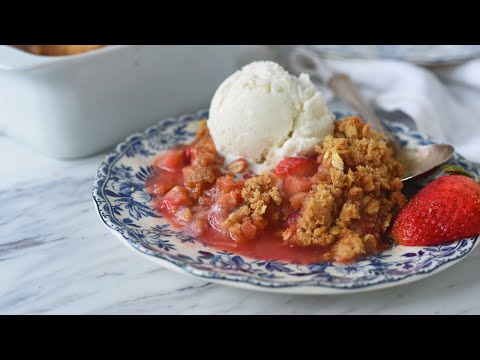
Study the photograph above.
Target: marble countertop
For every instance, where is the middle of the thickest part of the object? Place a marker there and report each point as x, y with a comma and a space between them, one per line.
56, 257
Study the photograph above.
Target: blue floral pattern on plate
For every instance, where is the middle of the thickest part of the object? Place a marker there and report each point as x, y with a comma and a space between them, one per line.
124, 207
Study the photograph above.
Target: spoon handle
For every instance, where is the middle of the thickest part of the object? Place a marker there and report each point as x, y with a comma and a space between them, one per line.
304, 60
346, 91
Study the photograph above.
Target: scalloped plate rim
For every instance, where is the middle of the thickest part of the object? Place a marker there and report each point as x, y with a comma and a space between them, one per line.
246, 281
288, 289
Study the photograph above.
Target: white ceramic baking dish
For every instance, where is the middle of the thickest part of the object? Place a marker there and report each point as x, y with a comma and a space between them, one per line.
74, 106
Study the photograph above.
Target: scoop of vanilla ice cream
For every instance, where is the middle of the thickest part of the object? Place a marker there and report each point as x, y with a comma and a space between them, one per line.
263, 114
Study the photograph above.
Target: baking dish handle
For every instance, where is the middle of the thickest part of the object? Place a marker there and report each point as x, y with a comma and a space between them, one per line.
15, 59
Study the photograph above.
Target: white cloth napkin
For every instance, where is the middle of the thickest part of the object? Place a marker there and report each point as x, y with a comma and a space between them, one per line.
443, 101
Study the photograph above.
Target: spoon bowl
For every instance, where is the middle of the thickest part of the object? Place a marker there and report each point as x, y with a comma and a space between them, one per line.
424, 162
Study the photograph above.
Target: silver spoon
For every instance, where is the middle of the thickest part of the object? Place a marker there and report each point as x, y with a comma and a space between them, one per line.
420, 163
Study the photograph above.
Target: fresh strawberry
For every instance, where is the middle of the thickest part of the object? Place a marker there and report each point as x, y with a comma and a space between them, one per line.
445, 210
296, 167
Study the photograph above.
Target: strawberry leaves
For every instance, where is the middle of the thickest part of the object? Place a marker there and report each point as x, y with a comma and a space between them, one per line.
456, 170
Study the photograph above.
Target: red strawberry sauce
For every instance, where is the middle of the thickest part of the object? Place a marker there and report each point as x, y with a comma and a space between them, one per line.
268, 246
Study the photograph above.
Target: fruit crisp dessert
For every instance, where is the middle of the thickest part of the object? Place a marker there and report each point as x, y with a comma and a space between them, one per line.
272, 176
334, 205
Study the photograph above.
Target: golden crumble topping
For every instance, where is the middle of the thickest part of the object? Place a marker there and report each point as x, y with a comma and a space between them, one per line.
354, 211
342, 201
261, 204
205, 166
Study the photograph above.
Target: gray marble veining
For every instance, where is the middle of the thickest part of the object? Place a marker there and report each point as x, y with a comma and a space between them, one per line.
56, 257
